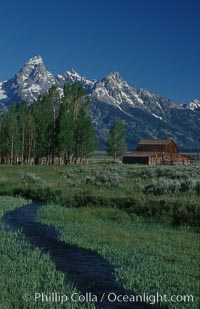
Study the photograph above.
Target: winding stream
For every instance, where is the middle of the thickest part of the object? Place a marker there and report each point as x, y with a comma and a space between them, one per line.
88, 270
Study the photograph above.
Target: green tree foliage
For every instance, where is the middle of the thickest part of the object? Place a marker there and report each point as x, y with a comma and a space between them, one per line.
41, 116
53, 126
76, 137
10, 135
116, 143
26, 127
84, 137
65, 133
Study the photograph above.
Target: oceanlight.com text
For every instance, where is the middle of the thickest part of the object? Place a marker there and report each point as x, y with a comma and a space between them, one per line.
109, 297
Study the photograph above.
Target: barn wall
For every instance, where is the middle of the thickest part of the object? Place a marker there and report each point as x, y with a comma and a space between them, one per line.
164, 152
171, 147
155, 160
135, 160
151, 148
167, 159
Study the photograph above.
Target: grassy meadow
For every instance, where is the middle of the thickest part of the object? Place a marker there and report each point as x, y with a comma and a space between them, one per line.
24, 271
143, 219
146, 256
166, 194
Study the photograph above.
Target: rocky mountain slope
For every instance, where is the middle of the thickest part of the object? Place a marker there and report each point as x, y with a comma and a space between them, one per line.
194, 105
145, 115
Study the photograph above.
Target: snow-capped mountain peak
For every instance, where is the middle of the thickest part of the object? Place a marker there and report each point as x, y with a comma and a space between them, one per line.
72, 76
37, 60
73, 73
31, 81
34, 70
193, 105
144, 113
114, 76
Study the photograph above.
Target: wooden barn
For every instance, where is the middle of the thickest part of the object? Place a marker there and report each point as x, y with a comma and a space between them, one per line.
156, 152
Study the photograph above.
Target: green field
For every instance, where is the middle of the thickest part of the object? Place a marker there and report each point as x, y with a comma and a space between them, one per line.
143, 220
166, 194
24, 271
147, 257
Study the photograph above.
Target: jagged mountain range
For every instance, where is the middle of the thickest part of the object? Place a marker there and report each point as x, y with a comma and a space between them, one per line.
145, 115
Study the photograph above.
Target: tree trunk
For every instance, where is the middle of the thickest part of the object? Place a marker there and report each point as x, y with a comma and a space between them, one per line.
12, 151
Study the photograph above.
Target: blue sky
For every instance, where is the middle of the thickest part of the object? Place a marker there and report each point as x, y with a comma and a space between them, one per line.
153, 44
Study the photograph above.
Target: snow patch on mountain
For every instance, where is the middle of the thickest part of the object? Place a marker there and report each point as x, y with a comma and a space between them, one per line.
193, 105
37, 60
113, 90
31, 81
72, 76
3, 94
157, 116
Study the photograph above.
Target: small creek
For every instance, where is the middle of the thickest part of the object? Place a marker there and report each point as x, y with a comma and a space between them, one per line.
88, 270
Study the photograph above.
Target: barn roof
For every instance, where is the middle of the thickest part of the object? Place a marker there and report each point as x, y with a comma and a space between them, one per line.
155, 141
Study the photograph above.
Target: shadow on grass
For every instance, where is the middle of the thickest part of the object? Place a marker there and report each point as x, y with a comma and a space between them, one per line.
88, 270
